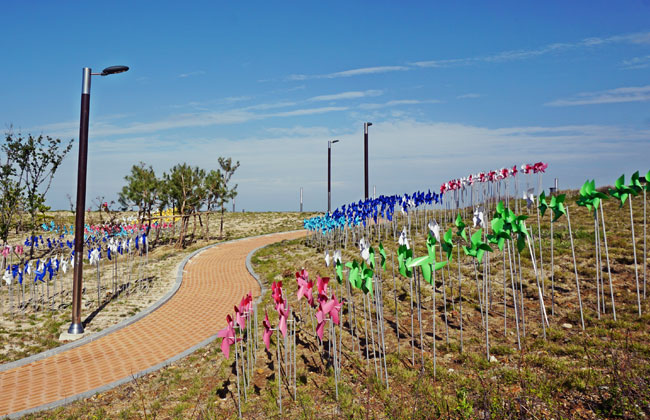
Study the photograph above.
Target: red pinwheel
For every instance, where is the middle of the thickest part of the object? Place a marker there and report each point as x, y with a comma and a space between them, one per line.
540, 167
268, 332
228, 335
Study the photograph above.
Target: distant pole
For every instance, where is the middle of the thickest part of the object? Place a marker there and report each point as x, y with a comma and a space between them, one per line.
374, 192
300, 199
233, 205
329, 175
365, 157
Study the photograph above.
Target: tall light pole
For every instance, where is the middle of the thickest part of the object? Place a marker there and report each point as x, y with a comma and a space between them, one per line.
329, 175
365, 155
76, 327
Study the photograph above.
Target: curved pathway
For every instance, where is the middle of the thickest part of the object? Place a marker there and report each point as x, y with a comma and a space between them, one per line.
213, 281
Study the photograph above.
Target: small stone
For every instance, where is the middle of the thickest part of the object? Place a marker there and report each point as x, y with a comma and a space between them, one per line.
567, 326
493, 359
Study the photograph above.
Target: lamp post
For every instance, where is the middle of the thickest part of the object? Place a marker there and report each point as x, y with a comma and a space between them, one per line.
329, 175
76, 327
365, 155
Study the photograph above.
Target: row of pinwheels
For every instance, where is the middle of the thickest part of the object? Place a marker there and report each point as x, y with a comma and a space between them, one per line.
55, 255
361, 212
127, 227
492, 176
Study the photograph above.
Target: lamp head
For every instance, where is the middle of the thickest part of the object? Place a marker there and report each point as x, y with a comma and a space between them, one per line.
335, 141
114, 70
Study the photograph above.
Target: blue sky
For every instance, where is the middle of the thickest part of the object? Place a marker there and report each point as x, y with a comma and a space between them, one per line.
451, 90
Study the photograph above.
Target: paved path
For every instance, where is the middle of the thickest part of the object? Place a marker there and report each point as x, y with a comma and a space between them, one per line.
213, 281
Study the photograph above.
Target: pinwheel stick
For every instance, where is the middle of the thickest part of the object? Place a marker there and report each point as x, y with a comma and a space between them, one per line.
609, 271
514, 292
636, 268
575, 268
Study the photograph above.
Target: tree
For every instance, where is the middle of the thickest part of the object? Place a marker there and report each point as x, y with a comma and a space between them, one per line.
212, 185
141, 190
184, 187
38, 160
226, 171
11, 188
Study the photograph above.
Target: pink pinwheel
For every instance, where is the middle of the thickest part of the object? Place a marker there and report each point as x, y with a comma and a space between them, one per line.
283, 313
19, 250
228, 335
321, 282
305, 289
320, 326
6, 251
276, 292
268, 332
513, 171
335, 309
240, 317
246, 303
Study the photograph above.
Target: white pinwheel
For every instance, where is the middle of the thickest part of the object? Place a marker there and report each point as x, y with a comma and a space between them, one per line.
364, 247
479, 217
64, 266
403, 240
529, 197
328, 259
7, 277
28, 268
434, 227
94, 256
337, 256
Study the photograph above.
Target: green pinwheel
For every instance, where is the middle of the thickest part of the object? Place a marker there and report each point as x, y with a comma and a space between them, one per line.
428, 262
354, 277
556, 205
620, 190
589, 196
477, 247
461, 227
499, 234
543, 205
382, 253
447, 245
366, 279
404, 256
339, 271
635, 186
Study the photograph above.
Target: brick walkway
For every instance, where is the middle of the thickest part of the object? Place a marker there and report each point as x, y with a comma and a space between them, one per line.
213, 281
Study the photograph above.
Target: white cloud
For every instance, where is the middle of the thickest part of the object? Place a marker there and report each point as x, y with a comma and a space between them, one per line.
468, 96
618, 95
514, 55
405, 155
637, 63
349, 73
347, 95
103, 128
398, 102
192, 73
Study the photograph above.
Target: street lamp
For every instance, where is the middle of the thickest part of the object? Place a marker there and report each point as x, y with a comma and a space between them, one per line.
329, 174
76, 327
365, 155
